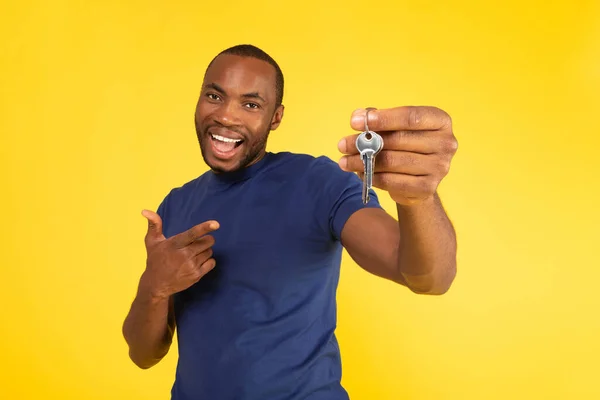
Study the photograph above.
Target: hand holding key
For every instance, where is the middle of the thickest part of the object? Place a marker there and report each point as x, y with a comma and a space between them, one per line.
176, 263
419, 147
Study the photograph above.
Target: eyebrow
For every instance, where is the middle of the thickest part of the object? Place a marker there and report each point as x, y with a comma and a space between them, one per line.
252, 95
214, 86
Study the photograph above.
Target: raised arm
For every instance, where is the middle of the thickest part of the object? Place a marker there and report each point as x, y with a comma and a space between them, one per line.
419, 248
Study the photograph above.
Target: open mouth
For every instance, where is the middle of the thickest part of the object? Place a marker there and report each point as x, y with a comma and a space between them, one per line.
224, 146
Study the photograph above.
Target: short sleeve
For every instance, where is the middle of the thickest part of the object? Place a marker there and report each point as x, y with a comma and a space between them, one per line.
162, 208
340, 195
162, 212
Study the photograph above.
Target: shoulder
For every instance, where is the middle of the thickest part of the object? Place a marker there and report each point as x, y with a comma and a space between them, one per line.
332, 193
320, 177
316, 176
327, 173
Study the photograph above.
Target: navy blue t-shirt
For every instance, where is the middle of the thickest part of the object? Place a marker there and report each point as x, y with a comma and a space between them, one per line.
260, 325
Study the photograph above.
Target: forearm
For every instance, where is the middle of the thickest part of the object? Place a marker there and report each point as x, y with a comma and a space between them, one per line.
427, 251
147, 329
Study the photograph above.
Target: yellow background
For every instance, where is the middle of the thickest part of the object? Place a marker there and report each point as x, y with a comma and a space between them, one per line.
97, 124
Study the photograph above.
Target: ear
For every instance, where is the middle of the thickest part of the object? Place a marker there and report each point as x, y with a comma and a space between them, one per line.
277, 117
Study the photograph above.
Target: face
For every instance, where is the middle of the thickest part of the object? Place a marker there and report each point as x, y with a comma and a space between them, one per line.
236, 111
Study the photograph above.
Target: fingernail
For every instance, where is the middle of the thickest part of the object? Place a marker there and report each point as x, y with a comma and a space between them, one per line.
343, 163
213, 225
342, 145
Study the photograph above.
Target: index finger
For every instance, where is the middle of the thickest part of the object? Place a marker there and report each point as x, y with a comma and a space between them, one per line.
191, 235
406, 118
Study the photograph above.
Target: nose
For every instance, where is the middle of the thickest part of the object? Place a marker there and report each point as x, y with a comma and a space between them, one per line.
227, 114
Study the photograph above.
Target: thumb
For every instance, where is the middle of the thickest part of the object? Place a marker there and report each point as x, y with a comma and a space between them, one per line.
154, 226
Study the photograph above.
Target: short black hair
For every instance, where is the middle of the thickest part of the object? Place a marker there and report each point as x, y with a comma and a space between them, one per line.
248, 50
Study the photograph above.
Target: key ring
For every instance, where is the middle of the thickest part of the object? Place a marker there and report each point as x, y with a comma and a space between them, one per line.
368, 133
367, 117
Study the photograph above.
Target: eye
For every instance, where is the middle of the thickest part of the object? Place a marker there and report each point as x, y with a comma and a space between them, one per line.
252, 105
213, 96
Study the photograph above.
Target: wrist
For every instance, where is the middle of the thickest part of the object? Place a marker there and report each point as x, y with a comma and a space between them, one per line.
412, 207
151, 290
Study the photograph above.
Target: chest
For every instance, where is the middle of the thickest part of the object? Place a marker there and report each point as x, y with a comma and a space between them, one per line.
272, 227
271, 249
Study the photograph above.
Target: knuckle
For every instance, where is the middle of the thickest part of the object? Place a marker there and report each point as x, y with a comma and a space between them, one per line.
189, 264
196, 269
186, 253
443, 165
192, 235
429, 186
206, 266
196, 274
189, 269
203, 268
203, 243
200, 230
414, 117
209, 240
201, 258
450, 145
396, 140
410, 159
385, 160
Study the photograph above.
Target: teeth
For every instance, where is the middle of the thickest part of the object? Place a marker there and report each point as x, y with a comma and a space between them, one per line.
226, 140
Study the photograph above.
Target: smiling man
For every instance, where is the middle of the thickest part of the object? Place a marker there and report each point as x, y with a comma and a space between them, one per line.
230, 139
243, 262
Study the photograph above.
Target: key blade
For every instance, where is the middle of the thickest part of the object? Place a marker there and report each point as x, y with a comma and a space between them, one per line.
365, 187
368, 161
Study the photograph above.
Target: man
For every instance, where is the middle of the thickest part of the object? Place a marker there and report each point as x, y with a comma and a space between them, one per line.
244, 260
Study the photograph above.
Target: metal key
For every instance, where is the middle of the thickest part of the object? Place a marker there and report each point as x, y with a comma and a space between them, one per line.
369, 144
